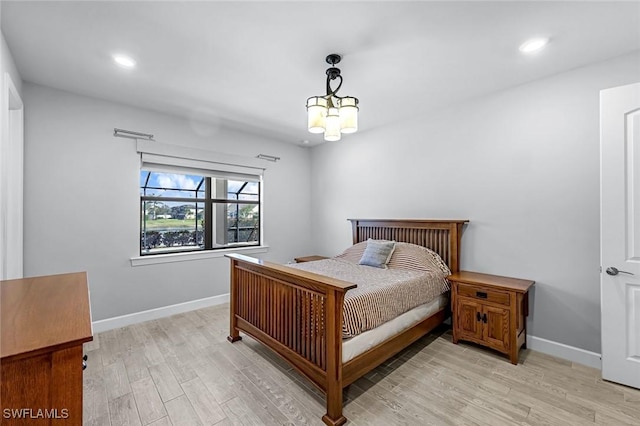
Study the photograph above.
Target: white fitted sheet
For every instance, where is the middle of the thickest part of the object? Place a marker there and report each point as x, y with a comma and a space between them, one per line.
361, 343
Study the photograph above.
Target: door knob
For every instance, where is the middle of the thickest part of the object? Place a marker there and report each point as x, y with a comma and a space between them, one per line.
612, 270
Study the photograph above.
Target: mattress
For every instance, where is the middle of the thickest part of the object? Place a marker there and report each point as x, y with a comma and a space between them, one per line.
361, 343
381, 295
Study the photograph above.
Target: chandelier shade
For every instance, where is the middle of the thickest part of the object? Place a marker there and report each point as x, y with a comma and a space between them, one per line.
332, 114
348, 115
332, 122
316, 113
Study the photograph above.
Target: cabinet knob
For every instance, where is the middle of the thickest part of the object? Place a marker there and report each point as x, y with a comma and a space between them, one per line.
85, 357
484, 318
478, 316
84, 365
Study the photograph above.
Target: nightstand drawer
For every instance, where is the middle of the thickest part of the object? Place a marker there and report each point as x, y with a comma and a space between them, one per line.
484, 294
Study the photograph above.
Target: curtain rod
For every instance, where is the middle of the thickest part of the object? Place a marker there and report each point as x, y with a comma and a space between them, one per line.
121, 133
268, 157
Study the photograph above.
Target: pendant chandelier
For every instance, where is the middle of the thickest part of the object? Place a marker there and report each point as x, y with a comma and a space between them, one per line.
331, 114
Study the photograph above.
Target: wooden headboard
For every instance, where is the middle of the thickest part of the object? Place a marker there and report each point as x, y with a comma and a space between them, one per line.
441, 236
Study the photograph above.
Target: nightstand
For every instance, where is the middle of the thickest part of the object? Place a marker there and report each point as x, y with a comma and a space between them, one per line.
309, 258
490, 310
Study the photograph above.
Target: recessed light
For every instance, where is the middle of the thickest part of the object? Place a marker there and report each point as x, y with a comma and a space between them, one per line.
305, 142
533, 45
124, 61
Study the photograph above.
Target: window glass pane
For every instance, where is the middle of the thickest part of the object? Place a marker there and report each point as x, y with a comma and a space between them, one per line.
251, 188
157, 184
236, 224
235, 186
249, 197
243, 223
248, 191
171, 226
144, 176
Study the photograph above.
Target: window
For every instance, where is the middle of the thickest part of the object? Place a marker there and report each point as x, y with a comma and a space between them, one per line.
180, 211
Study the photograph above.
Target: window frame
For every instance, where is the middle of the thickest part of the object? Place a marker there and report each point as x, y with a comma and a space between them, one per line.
209, 203
185, 159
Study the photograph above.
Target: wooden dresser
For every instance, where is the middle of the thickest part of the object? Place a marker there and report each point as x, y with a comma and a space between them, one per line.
490, 310
44, 322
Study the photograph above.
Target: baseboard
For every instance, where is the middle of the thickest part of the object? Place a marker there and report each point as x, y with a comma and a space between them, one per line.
560, 350
549, 347
151, 314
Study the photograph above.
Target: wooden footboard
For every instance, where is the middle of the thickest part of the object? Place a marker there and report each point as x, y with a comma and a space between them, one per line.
297, 314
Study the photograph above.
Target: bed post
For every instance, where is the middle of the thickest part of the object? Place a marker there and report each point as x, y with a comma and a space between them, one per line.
455, 230
354, 230
334, 416
454, 240
234, 334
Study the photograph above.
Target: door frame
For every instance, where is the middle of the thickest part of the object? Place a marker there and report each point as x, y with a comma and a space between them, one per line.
11, 182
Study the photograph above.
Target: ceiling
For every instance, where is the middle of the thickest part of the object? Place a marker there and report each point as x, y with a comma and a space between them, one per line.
253, 64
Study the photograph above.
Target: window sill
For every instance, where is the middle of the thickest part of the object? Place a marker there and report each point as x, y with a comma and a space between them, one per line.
184, 257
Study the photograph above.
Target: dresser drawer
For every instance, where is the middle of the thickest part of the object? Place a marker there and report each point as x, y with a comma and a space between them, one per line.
484, 294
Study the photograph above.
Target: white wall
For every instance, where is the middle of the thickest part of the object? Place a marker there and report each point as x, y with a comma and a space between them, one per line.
522, 165
8, 65
82, 200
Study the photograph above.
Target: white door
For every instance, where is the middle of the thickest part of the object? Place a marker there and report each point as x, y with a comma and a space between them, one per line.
620, 233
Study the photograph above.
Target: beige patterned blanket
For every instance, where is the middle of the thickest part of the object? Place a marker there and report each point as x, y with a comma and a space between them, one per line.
381, 295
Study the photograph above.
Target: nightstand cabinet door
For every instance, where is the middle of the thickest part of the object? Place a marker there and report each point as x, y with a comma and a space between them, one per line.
496, 330
469, 319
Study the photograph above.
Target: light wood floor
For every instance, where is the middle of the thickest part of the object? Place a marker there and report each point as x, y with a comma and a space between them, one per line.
182, 371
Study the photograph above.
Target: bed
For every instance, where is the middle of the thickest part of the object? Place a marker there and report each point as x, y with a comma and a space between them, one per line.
299, 314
